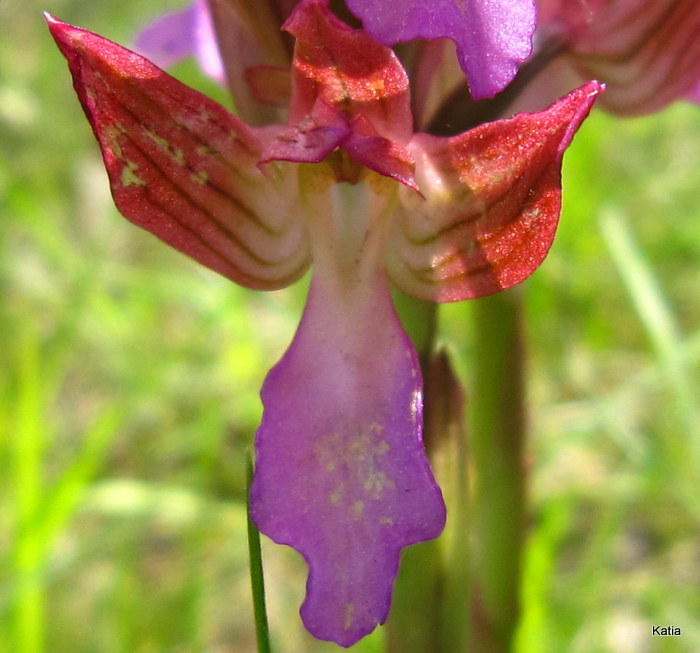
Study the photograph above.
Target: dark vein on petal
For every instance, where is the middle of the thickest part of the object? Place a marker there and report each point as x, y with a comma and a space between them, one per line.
189, 199
237, 201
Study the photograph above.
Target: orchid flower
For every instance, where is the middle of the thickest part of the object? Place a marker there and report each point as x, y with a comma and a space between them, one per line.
344, 184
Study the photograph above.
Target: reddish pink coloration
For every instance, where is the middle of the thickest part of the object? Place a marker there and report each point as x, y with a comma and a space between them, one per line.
185, 169
310, 140
492, 203
337, 66
346, 68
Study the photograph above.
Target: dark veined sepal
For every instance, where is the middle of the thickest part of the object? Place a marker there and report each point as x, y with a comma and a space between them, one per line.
489, 205
184, 168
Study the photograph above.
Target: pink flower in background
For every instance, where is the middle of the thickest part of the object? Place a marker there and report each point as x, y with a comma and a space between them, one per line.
186, 33
345, 185
646, 51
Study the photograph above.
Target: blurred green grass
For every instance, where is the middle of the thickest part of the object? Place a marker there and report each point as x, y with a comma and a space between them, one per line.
129, 381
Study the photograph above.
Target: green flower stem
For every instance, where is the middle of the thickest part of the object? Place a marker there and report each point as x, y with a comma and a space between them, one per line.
415, 611
431, 595
419, 319
448, 451
496, 426
461, 594
415, 617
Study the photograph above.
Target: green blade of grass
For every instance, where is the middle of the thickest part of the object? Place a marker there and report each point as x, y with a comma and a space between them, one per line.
681, 453
66, 494
651, 306
257, 579
28, 443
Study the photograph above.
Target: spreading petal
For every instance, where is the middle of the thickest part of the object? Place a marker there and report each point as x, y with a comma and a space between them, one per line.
492, 38
341, 473
490, 203
184, 168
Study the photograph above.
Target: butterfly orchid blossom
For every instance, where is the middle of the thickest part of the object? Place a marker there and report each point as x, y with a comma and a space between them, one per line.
346, 185
646, 51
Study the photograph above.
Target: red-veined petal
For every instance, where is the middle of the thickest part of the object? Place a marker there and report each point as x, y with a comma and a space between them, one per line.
345, 68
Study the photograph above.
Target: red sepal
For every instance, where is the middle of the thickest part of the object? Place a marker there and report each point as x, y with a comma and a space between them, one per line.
184, 168
490, 203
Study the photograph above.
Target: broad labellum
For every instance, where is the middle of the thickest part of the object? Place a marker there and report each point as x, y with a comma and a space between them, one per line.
341, 473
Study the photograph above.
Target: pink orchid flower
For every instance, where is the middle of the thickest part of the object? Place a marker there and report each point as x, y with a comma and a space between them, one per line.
180, 34
346, 185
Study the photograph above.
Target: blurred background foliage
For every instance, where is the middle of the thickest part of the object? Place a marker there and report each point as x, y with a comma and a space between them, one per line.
129, 383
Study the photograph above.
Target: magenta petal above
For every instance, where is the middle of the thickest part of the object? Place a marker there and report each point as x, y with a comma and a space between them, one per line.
493, 37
